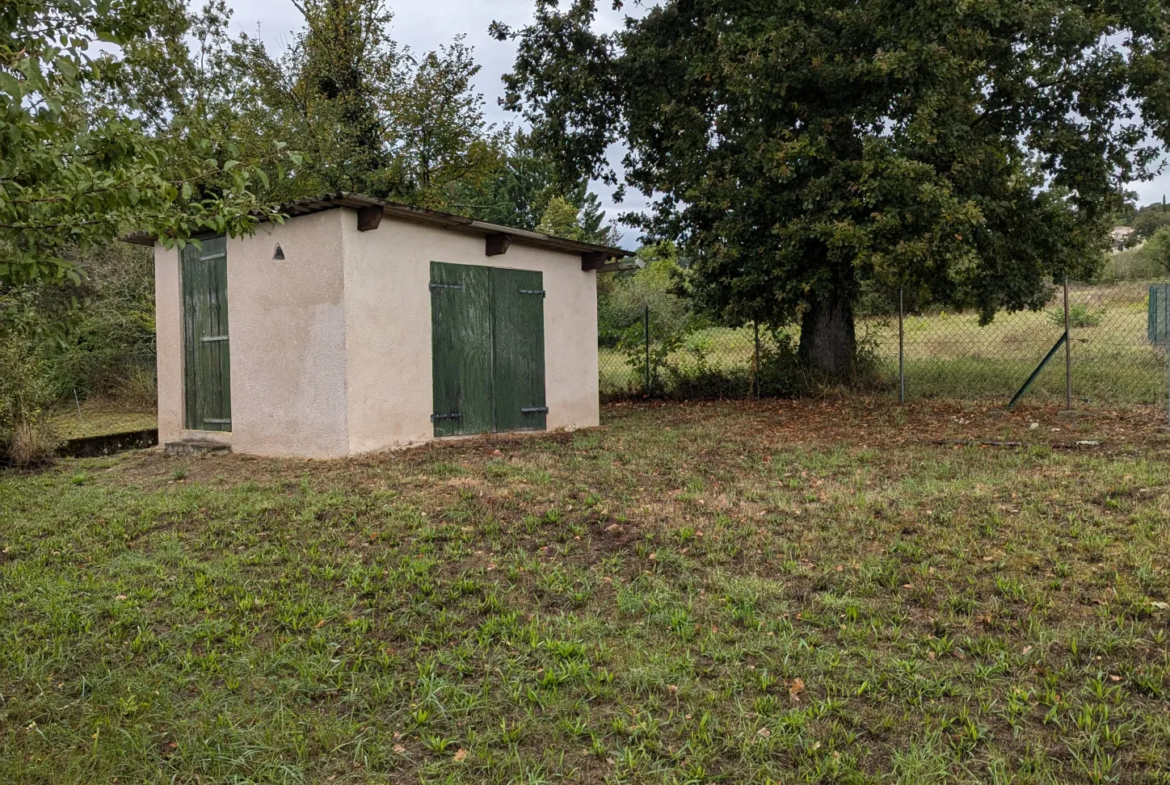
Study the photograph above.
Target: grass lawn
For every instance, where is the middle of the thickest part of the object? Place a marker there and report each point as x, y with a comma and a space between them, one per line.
756, 592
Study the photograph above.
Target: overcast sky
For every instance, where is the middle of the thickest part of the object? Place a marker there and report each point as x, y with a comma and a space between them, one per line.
424, 25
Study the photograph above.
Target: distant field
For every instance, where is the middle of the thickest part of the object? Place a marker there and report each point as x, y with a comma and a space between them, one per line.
949, 355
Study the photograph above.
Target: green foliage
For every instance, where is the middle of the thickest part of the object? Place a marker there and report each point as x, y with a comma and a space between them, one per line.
644, 306
1148, 261
798, 150
109, 350
437, 135
560, 219
29, 339
623, 299
586, 224
75, 174
517, 192
1131, 264
373, 116
1079, 315
66, 341
1156, 250
685, 347
1149, 219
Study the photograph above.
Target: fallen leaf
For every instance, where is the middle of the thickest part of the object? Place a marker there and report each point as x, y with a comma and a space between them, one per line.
459, 756
764, 732
795, 688
399, 749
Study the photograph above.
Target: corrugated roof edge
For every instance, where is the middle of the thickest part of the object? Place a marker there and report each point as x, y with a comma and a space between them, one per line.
406, 212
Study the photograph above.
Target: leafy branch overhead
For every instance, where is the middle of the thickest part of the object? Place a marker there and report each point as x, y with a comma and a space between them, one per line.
798, 151
75, 173
149, 115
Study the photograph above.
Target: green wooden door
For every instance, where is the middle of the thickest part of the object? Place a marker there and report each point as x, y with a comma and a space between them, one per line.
487, 349
461, 348
518, 331
207, 363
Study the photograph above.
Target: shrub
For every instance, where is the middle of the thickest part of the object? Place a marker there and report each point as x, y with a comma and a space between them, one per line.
27, 390
623, 299
110, 349
92, 337
32, 443
1079, 315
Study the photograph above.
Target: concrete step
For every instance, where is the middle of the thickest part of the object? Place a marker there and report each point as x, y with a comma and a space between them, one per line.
196, 447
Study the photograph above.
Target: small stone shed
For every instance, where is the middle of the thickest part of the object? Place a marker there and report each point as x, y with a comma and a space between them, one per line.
361, 325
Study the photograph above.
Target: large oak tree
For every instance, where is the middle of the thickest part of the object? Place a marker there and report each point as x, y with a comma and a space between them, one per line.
968, 150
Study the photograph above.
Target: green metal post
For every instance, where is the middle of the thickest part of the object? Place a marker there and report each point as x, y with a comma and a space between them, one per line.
1047, 359
1067, 349
1162, 295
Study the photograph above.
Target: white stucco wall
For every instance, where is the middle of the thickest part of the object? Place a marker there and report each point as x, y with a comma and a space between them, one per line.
168, 325
331, 347
286, 320
388, 322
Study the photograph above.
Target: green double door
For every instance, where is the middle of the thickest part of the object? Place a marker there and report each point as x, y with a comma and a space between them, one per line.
207, 396
487, 349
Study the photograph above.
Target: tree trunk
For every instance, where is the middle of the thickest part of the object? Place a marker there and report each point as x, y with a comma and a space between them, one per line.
828, 341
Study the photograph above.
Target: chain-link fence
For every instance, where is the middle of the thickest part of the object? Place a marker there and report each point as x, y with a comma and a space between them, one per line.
121, 396
1115, 355
104, 401
1115, 352
76, 401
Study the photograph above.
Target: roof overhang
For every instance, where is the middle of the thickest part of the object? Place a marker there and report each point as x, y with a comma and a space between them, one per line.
370, 212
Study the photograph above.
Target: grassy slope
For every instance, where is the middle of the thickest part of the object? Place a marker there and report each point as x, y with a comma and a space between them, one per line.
794, 592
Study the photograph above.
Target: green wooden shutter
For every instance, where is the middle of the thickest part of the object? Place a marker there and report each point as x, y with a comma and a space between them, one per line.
461, 348
207, 357
518, 332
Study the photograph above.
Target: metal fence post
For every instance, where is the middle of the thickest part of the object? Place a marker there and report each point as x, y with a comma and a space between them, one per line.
646, 328
901, 351
756, 362
1165, 306
1067, 349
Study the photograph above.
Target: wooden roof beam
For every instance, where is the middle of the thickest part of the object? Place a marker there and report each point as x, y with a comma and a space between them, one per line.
594, 260
369, 218
497, 244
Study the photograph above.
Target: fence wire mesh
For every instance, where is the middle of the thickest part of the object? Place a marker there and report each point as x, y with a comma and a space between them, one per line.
121, 398
1118, 332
